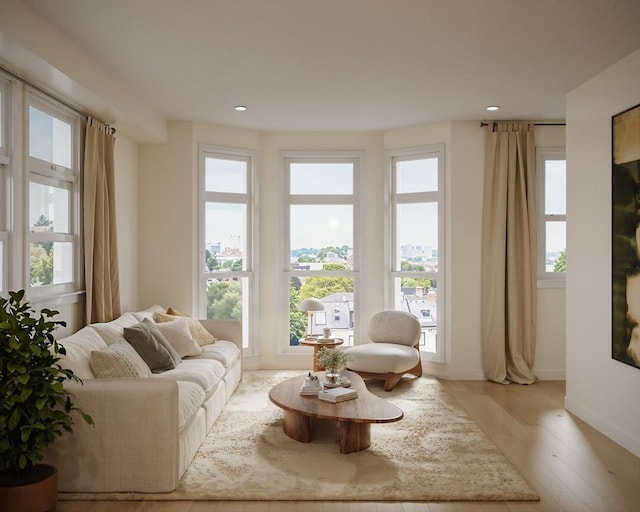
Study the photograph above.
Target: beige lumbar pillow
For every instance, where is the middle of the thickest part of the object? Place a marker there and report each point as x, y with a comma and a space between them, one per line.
198, 332
179, 336
117, 361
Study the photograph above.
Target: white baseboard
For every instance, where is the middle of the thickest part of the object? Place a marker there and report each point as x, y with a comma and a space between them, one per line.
624, 439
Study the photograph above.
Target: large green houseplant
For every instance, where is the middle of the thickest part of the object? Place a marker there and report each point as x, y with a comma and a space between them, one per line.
34, 405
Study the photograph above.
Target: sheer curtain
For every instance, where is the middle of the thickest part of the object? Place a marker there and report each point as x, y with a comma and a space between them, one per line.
509, 242
100, 242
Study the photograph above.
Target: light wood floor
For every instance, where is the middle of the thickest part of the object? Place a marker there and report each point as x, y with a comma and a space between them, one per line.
572, 467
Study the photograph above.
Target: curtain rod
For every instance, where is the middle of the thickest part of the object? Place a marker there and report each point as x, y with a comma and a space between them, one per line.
56, 98
494, 123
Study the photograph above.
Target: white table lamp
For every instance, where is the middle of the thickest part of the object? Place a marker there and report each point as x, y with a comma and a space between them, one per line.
310, 306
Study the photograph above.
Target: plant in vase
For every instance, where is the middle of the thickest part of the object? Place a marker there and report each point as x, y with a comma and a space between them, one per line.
333, 361
34, 405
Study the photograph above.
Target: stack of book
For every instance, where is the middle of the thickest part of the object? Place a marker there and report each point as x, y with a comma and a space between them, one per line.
336, 395
311, 386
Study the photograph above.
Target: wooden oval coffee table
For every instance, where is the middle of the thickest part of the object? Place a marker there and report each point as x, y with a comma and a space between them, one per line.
354, 416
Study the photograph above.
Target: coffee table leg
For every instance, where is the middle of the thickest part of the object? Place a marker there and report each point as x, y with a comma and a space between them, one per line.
354, 437
297, 426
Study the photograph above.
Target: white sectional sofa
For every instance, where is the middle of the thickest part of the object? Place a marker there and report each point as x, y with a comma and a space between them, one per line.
147, 430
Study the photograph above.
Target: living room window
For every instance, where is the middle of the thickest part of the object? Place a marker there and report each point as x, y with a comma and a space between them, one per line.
5, 197
321, 222
552, 217
53, 197
416, 242
227, 236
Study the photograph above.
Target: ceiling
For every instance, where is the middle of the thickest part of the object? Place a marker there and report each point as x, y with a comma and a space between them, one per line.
350, 64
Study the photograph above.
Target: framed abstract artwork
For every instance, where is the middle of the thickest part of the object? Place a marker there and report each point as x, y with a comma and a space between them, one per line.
625, 234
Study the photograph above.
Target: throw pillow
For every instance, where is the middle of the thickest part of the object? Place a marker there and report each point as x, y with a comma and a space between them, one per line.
179, 337
198, 332
118, 360
152, 346
174, 312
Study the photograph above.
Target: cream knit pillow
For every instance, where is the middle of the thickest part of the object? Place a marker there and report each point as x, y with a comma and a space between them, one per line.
119, 360
179, 337
198, 332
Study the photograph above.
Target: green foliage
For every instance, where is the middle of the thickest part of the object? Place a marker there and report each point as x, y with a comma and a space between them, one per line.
340, 251
320, 287
211, 262
224, 300
333, 359
297, 319
34, 406
41, 262
410, 282
560, 265
407, 266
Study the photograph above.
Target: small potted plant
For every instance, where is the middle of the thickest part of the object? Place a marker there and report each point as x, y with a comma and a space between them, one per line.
333, 361
34, 405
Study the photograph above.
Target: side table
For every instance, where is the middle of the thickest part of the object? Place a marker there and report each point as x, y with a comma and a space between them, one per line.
317, 345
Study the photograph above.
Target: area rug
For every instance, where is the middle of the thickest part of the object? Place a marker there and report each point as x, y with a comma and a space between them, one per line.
435, 453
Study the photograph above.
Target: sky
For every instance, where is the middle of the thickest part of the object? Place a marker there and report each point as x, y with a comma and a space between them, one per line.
320, 226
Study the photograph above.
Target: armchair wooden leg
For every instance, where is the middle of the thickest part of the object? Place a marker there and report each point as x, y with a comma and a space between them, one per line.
417, 369
391, 381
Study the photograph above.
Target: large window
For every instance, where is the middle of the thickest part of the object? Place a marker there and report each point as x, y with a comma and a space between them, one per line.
552, 219
416, 200
227, 231
320, 243
53, 197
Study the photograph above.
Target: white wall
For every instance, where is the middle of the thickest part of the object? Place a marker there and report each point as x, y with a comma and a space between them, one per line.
126, 179
600, 390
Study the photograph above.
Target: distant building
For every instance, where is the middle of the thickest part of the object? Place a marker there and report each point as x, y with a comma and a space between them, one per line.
338, 311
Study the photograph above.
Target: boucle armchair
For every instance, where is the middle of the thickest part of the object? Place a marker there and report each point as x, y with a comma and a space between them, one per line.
393, 351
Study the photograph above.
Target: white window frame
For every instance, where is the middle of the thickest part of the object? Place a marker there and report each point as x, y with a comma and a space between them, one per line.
547, 279
292, 157
48, 173
5, 191
250, 200
392, 257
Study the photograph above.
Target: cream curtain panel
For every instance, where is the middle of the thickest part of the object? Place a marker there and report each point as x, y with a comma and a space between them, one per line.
509, 242
100, 243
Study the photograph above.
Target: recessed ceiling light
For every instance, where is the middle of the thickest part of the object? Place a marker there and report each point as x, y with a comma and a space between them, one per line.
240, 108
491, 108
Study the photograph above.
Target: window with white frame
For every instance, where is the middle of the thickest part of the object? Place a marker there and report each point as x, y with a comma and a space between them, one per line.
227, 236
416, 200
5, 202
552, 218
321, 219
53, 197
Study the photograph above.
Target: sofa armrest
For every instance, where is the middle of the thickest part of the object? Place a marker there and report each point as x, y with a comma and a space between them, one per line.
230, 330
133, 444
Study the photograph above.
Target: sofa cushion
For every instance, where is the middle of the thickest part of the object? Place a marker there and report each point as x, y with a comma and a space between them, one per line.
190, 399
222, 350
148, 313
382, 358
78, 349
178, 335
113, 331
198, 332
206, 373
118, 360
152, 347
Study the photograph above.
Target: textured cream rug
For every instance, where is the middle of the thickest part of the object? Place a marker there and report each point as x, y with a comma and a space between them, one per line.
435, 453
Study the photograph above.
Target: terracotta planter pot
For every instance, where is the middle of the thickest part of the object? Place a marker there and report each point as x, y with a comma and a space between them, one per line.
38, 494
